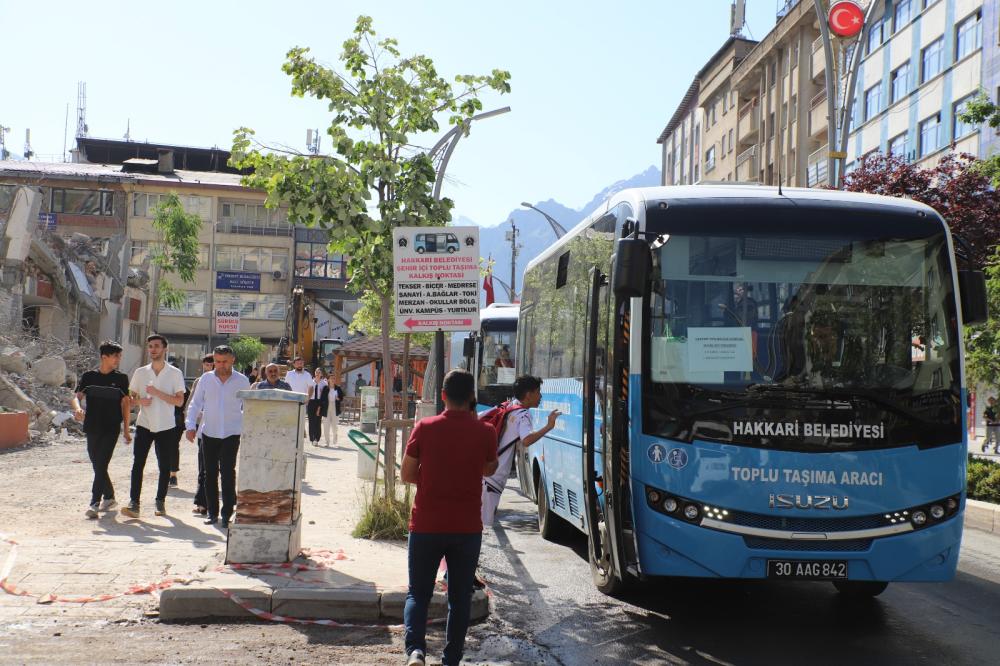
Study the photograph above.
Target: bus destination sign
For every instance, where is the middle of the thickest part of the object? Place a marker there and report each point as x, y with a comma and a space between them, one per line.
436, 278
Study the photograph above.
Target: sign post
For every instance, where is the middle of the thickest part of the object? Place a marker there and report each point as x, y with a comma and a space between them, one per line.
436, 283
227, 321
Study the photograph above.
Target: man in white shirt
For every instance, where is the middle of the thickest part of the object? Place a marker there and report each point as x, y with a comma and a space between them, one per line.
159, 387
300, 380
221, 426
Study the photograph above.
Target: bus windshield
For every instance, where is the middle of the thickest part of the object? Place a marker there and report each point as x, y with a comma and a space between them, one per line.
804, 342
498, 358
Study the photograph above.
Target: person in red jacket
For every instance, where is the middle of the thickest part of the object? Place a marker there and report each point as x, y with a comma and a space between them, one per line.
447, 456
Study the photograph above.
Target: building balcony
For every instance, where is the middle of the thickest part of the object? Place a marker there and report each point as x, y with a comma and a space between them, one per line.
818, 59
746, 165
817, 172
37, 290
749, 123
817, 115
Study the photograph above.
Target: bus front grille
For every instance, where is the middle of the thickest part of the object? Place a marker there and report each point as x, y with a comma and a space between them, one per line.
845, 545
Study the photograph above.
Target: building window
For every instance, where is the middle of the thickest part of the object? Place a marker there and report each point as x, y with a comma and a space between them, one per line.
710, 159
313, 260
969, 35
794, 55
193, 306
960, 128
241, 217
82, 202
730, 140
931, 59
899, 84
794, 108
873, 101
772, 73
724, 151
254, 306
251, 259
135, 335
901, 14
187, 357
930, 135
140, 254
770, 125
897, 146
875, 37
144, 204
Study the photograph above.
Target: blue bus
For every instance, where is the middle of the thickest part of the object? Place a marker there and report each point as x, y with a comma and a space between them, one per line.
489, 354
755, 384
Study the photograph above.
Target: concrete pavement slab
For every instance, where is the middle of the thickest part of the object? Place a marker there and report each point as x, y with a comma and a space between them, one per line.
344, 604
200, 600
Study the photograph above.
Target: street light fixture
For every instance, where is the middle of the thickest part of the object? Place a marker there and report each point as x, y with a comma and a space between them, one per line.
557, 228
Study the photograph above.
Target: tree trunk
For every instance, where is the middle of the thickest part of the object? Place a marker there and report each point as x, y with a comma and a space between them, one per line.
390, 440
152, 304
406, 377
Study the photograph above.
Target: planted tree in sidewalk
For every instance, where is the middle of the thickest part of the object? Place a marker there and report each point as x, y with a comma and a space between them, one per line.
175, 253
247, 349
956, 188
382, 104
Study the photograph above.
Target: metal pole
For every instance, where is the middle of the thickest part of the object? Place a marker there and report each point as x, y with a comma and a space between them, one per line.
513, 260
831, 92
557, 228
852, 82
439, 370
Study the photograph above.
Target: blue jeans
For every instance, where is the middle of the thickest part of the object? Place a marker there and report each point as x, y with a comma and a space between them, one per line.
461, 553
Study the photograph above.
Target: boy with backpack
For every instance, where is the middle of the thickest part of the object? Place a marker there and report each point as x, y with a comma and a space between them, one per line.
992, 420
512, 421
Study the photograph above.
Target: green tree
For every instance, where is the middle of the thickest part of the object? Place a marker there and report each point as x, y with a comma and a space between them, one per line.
175, 253
982, 342
978, 111
247, 348
378, 178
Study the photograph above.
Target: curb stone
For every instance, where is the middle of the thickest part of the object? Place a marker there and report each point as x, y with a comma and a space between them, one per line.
342, 604
981, 515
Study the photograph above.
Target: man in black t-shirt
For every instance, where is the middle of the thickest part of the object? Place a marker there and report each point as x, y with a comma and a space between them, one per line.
105, 391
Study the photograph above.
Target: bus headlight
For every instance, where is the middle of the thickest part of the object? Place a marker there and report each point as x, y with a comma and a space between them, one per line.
937, 512
691, 512
670, 505
653, 496
919, 518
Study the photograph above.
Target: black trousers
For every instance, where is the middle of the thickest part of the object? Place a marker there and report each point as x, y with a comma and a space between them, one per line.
220, 463
100, 448
143, 440
315, 420
199, 495
175, 448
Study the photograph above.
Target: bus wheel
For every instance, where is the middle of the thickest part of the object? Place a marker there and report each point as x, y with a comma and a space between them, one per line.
860, 589
549, 524
602, 571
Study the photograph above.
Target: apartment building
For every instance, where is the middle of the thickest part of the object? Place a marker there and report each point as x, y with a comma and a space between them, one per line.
718, 102
680, 142
922, 62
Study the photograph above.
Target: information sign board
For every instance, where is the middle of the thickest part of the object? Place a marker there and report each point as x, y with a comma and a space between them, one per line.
227, 320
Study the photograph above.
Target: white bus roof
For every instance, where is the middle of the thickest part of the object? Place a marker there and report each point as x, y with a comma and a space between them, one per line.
500, 311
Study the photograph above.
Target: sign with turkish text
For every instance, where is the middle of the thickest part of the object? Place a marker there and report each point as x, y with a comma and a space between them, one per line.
237, 280
227, 321
47, 221
436, 278
846, 18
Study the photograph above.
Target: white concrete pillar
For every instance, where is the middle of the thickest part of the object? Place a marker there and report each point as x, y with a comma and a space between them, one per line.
267, 526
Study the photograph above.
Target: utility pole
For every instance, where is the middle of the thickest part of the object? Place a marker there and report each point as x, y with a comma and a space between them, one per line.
514, 247
3, 145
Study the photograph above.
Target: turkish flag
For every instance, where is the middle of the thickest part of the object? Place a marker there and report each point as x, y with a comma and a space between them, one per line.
488, 287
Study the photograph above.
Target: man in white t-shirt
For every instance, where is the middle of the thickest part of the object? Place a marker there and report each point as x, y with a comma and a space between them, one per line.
527, 396
159, 388
300, 380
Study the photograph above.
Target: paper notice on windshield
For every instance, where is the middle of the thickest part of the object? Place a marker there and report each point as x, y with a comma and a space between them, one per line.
670, 364
720, 349
505, 376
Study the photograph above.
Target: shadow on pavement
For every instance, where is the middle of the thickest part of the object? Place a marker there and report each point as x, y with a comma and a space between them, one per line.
145, 532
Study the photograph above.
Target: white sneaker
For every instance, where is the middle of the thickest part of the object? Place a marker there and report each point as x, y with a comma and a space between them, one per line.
107, 505
91, 511
416, 658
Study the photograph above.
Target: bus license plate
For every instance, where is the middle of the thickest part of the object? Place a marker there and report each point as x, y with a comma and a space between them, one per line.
807, 569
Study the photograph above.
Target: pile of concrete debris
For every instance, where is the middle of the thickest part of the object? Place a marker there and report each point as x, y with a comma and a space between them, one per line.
37, 376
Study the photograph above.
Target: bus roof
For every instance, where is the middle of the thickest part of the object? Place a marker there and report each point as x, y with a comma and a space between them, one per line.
750, 194
500, 311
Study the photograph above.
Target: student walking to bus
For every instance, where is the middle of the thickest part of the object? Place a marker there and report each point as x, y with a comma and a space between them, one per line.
316, 408
992, 419
159, 388
105, 392
446, 456
512, 421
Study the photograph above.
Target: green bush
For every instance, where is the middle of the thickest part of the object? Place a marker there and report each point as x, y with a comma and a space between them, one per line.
977, 471
988, 488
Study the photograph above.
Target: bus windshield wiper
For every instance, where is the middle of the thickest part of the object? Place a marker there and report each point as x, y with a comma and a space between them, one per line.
842, 393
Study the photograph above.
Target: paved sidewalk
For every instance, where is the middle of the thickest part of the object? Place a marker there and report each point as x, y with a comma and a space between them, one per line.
59, 552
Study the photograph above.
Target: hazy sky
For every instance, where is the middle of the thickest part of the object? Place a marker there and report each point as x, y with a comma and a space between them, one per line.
593, 83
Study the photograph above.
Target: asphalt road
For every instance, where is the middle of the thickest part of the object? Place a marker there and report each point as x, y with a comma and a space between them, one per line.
547, 611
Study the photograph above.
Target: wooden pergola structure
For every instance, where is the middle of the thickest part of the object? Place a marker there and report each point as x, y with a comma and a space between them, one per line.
360, 352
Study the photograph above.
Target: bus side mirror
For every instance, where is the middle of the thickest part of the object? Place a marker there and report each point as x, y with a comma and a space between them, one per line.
633, 266
468, 347
972, 289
